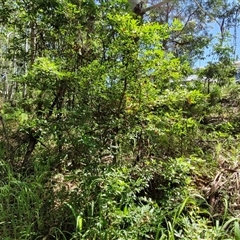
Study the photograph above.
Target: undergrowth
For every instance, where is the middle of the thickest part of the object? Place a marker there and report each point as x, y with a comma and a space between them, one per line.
189, 197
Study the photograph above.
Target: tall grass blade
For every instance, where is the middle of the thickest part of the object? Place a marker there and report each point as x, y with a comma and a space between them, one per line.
179, 210
79, 223
170, 231
227, 223
236, 230
71, 208
58, 231
225, 209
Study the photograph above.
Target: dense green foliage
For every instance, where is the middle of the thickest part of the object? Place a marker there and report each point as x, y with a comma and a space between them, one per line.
101, 137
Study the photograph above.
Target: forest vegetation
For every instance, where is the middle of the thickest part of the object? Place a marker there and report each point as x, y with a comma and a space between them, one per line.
102, 137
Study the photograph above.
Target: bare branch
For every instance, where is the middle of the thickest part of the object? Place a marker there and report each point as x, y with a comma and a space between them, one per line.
155, 6
137, 6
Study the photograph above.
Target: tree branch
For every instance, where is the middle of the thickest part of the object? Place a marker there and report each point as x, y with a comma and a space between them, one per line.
155, 6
